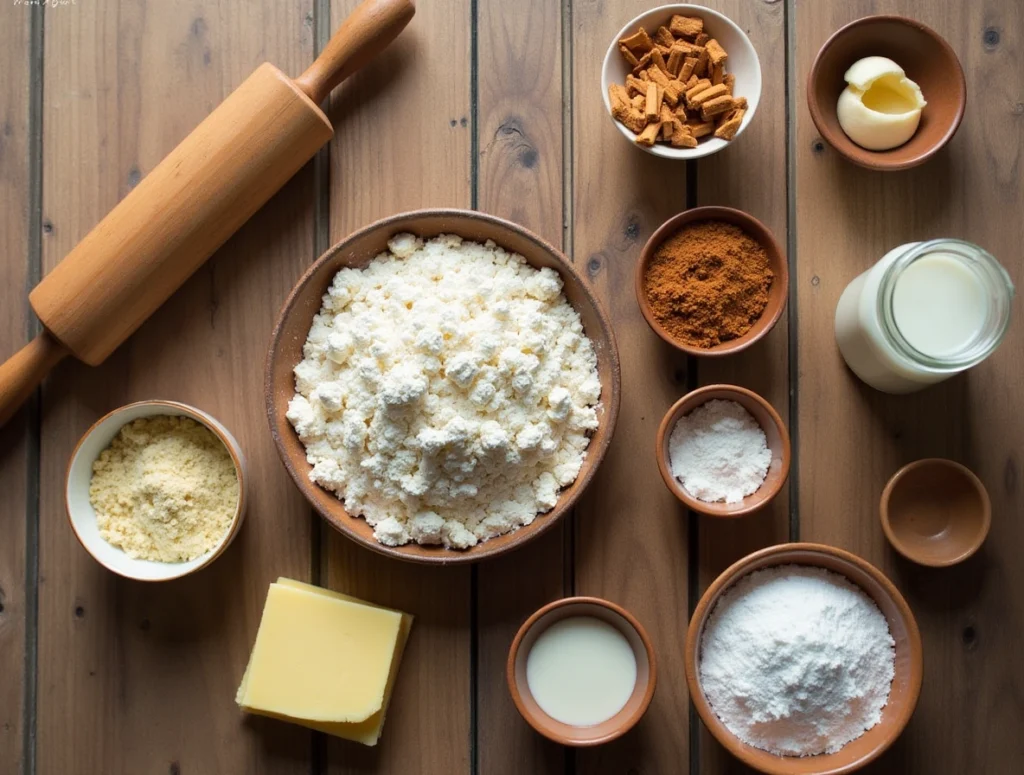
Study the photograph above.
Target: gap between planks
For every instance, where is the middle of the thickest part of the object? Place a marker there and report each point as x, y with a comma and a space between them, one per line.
789, 31
474, 201
33, 409
321, 241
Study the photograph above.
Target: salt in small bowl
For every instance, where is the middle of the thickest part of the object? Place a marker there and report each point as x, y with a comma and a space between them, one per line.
774, 430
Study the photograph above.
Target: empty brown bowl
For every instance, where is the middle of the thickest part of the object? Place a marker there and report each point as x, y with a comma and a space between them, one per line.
758, 232
906, 685
357, 250
636, 705
927, 59
767, 418
935, 512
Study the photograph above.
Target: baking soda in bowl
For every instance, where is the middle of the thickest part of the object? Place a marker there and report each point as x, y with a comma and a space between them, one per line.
797, 661
719, 452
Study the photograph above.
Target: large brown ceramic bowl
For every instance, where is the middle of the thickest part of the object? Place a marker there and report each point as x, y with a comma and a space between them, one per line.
906, 685
357, 250
927, 59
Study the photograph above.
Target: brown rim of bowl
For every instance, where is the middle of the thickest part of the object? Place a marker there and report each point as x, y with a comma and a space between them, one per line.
755, 229
676, 487
236, 521
631, 721
734, 573
818, 119
895, 543
495, 546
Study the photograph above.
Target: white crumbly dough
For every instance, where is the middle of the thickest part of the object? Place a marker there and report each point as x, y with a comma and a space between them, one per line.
797, 660
447, 392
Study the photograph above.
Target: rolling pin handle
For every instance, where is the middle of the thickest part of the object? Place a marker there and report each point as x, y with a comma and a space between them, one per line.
24, 370
363, 35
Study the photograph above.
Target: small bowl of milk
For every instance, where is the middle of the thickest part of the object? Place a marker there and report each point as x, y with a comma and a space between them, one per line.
581, 671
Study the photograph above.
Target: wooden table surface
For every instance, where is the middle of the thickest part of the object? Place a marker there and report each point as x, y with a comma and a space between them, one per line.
494, 105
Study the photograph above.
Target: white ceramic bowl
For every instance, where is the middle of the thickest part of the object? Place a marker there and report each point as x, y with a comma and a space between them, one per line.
83, 517
743, 63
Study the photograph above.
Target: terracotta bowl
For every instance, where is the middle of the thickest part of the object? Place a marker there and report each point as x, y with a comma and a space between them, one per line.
743, 63
935, 512
83, 517
357, 250
636, 705
906, 685
777, 294
927, 59
774, 430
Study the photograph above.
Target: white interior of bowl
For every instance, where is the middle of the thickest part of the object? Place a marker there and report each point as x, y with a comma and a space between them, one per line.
83, 517
743, 63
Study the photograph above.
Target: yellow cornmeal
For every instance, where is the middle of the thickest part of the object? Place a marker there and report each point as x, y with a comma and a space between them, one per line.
165, 489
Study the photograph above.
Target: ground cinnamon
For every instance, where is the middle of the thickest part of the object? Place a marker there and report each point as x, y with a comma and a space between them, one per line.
708, 283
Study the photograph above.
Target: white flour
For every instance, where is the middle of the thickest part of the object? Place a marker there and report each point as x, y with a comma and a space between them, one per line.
797, 661
719, 452
447, 391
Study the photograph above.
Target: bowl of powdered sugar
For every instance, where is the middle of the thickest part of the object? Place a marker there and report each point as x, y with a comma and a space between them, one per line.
803, 658
442, 385
723, 451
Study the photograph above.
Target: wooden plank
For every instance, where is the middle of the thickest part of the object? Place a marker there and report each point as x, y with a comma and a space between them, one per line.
853, 438
16, 436
403, 142
520, 178
630, 528
750, 175
142, 677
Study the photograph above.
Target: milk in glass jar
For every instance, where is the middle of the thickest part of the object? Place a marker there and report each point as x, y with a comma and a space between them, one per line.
924, 312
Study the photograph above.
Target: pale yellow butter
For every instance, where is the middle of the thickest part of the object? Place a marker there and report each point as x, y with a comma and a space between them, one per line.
324, 660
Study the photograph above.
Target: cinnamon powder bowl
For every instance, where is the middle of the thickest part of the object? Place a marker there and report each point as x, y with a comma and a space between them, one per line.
777, 292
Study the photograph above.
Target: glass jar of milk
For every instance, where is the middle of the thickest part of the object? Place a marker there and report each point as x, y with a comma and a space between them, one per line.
924, 312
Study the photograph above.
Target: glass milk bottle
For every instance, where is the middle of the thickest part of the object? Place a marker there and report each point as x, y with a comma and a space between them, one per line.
924, 312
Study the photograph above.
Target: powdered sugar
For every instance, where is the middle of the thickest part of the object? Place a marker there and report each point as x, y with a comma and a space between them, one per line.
797, 660
719, 452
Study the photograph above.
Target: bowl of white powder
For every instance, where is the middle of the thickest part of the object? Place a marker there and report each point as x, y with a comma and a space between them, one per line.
723, 451
156, 490
804, 658
442, 385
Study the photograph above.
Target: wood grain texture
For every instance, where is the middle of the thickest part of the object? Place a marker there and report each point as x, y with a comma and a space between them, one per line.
402, 142
750, 175
16, 435
631, 532
853, 438
519, 74
135, 677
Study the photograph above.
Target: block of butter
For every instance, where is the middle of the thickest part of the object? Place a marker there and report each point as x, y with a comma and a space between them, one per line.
324, 660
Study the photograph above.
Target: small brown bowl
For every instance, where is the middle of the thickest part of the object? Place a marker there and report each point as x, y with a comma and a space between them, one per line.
636, 705
906, 685
935, 512
359, 249
767, 418
776, 260
927, 59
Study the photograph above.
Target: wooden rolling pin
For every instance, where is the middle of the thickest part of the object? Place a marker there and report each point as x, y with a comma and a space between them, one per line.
189, 205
